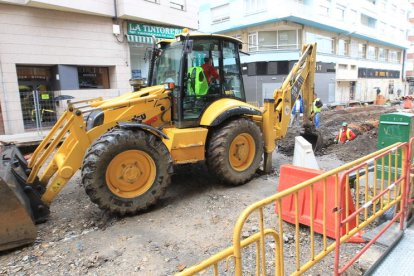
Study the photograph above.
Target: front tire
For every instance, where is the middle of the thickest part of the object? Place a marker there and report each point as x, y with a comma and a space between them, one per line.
234, 151
126, 171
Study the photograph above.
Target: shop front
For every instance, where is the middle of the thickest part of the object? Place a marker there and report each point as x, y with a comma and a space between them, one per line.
140, 41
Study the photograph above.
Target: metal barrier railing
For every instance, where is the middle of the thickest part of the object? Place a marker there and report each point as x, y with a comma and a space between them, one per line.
305, 258
409, 200
376, 193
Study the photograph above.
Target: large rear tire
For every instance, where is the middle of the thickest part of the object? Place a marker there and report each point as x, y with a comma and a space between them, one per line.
126, 171
234, 151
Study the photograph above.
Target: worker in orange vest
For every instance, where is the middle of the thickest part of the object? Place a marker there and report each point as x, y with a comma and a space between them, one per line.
345, 134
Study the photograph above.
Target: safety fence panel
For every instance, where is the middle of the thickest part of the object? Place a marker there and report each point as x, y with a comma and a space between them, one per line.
379, 186
38, 109
327, 203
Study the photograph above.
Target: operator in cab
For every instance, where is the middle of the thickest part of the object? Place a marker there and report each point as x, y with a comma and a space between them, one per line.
209, 70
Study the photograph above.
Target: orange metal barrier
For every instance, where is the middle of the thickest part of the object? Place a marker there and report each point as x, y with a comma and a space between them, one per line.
299, 252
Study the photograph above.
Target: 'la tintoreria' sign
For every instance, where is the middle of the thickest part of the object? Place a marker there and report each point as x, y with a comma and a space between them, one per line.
151, 30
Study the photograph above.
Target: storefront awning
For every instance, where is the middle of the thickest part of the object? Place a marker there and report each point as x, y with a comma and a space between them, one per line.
140, 39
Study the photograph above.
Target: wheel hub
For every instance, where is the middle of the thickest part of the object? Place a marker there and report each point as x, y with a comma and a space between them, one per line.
130, 173
242, 152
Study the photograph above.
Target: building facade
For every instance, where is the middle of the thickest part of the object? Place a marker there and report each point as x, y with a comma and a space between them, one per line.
361, 44
410, 52
51, 51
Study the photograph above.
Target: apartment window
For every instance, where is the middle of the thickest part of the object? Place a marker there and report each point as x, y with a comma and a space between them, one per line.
382, 54
287, 39
394, 56
93, 77
267, 40
372, 53
362, 50
252, 6
382, 27
393, 31
237, 36
339, 13
220, 13
253, 43
323, 10
343, 47
353, 15
393, 8
372, 1
274, 40
402, 33
178, 4
325, 43
343, 66
383, 4
368, 21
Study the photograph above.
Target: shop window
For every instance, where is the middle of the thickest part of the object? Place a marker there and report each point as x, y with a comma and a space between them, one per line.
261, 68
93, 77
283, 67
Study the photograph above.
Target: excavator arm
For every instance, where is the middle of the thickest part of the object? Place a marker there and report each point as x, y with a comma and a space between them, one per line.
277, 111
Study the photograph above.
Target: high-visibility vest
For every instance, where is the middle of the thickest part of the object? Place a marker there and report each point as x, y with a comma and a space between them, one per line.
198, 84
315, 108
348, 134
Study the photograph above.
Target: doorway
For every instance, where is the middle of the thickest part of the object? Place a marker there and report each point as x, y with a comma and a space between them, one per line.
36, 97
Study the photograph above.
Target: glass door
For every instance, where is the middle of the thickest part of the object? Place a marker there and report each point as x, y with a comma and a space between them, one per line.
36, 98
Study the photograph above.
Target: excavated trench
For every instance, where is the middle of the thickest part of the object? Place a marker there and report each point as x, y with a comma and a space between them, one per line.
362, 120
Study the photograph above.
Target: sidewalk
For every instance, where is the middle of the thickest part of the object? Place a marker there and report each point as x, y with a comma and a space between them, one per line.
25, 139
400, 260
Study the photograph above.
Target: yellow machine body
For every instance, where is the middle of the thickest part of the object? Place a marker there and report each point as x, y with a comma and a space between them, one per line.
61, 154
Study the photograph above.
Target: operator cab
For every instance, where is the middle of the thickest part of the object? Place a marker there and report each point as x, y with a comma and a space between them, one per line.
203, 68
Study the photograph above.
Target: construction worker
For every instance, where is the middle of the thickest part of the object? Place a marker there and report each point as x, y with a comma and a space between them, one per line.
345, 134
297, 111
209, 70
317, 106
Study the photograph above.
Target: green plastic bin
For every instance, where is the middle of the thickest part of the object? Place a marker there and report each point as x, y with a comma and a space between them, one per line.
393, 128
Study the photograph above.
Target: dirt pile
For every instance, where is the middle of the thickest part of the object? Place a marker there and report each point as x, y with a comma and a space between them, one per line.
362, 120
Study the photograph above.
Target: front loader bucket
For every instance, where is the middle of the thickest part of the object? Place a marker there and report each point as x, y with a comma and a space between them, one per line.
17, 227
20, 203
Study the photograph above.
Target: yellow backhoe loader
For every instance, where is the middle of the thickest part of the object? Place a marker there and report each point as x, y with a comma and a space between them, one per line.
126, 147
